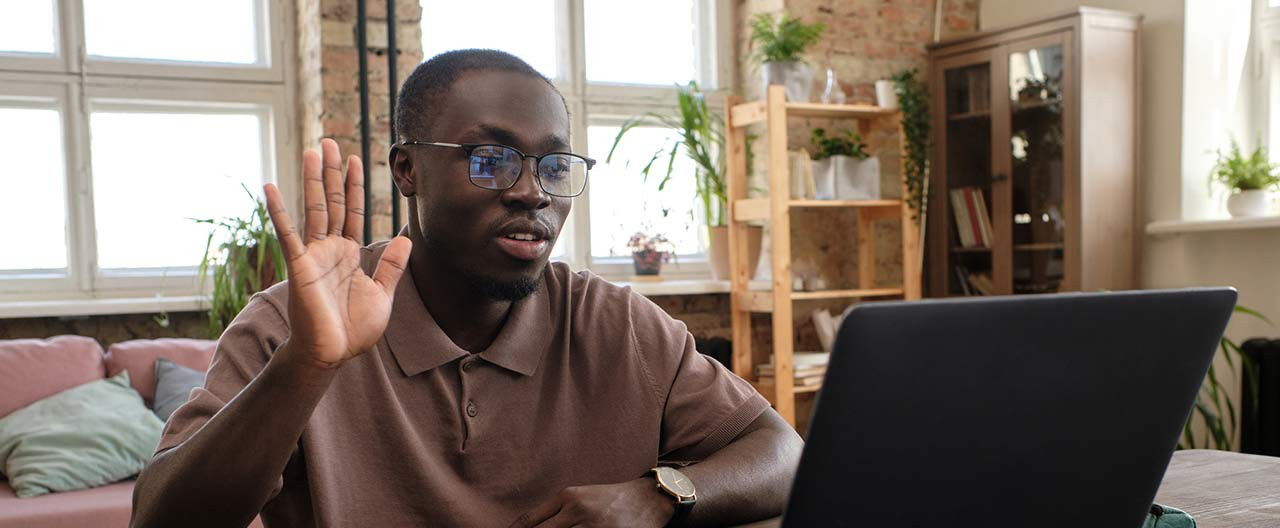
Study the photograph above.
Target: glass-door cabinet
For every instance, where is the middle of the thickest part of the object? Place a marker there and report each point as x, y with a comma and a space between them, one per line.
1019, 202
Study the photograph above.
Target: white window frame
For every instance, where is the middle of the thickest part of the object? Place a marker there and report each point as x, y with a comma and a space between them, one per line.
78, 84
610, 103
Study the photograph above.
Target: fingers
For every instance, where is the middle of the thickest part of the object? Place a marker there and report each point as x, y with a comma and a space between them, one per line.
540, 513
392, 264
354, 225
290, 243
334, 195
316, 214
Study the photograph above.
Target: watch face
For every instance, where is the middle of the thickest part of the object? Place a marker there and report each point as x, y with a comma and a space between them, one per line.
675, 482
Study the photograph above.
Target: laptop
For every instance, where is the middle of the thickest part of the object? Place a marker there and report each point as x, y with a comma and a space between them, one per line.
1039, 410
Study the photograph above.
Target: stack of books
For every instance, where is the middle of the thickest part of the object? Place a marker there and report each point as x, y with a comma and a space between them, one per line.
808, 369
973, 223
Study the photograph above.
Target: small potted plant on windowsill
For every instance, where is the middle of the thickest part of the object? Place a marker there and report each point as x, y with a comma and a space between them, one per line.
1249, 179
648, 252
780, 46
248, 260
842, 168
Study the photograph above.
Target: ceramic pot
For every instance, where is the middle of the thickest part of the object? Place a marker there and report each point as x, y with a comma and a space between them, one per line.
847, 178
795, 77
886, 94
720, 251
1249, 203
647, 262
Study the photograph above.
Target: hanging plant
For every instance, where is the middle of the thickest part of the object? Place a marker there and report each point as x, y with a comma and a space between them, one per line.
913, 99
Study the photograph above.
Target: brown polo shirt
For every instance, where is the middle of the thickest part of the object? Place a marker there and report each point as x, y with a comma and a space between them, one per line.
586, 383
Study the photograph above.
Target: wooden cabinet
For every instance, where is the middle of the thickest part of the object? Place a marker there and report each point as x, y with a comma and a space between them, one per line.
1034, 171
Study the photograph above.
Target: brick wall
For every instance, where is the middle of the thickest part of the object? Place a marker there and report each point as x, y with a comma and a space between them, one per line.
330, 104
865, 40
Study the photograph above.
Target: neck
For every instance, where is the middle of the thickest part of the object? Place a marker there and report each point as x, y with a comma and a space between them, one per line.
471, 320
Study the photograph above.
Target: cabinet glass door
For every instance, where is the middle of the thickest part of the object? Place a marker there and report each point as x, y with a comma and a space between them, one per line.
1037, 175
967, 179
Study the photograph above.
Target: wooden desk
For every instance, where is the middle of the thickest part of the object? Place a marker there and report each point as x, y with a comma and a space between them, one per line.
1219, 488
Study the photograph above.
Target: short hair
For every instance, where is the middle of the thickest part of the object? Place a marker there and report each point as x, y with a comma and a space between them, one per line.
419, 101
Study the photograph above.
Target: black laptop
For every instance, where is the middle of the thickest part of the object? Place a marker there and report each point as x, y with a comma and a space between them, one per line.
1046, 410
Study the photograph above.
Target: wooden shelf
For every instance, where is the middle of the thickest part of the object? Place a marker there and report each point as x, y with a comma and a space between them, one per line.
1045, 246
761, 301
779, 300
970, 250
745, 114
843, 294
845, 203
969, 115
750, 209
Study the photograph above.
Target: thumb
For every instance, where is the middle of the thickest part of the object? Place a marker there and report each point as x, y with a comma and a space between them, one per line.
392, 264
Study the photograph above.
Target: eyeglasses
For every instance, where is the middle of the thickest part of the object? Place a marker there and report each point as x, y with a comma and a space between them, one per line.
497, 167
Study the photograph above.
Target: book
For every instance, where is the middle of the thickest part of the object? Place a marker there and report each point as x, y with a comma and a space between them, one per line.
982, 283
807, 381
984, 218
767, 370
971, 214
806, 359
961, 212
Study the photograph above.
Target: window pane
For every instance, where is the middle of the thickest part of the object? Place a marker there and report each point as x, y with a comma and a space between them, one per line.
33, 205
649, 42
622, 202
178, 30
524, 28
27, 26
153, 172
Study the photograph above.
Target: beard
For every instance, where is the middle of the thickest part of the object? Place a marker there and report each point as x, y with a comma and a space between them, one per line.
504, 290
491, 288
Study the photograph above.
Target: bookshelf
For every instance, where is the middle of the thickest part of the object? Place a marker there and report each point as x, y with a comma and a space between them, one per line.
1039, 126
776, 209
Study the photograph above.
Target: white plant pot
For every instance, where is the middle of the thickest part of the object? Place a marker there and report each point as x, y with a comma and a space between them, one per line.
886, 94
847, 178
1249, 203
795, 77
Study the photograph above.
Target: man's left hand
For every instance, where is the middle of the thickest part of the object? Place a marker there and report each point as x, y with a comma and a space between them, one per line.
636, 503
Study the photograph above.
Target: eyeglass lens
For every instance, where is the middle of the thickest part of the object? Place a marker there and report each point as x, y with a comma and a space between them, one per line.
495, 167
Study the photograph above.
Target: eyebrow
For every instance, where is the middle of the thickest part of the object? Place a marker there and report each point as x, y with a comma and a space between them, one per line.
549, 143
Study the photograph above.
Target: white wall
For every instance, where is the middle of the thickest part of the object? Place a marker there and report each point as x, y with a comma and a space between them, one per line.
1176, 132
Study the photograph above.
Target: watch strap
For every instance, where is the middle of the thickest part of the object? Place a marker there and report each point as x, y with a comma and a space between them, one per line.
683, 507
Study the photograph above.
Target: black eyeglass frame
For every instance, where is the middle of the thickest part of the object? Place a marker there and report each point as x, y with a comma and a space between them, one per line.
537, 160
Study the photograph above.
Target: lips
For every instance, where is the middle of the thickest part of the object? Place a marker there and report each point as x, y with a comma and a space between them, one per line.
523, 240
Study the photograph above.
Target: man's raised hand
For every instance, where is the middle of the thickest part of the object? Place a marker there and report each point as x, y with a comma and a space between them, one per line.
336, 311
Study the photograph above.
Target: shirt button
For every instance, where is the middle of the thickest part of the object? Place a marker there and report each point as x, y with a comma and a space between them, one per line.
468, 365
471, 409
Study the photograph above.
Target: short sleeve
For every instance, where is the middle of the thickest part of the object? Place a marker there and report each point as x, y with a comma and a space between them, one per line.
705, 406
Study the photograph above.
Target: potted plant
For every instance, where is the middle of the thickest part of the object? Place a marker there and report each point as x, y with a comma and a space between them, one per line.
701, 139
779, 47
842, 168
248, 260
1248, 178
648, 252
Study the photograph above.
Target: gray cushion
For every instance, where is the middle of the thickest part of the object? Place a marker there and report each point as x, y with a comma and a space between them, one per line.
173, 386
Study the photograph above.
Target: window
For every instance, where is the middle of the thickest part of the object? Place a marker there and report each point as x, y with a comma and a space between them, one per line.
611, 60
113, 143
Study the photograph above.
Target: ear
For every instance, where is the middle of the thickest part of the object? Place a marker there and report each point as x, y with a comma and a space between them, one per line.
402, 170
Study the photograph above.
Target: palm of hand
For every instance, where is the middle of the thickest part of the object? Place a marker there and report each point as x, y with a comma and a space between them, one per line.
336, 310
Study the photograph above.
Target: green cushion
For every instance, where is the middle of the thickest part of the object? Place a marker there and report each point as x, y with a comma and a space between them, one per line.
85, 436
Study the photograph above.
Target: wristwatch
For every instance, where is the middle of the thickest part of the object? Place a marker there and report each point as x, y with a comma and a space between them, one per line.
674, 483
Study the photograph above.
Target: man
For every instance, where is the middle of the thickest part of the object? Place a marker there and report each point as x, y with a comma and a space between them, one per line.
484, 387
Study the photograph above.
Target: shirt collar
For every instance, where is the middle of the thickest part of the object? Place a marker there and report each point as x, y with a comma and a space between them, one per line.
419, 344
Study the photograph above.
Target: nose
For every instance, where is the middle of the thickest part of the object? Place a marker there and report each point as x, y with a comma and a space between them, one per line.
526, 193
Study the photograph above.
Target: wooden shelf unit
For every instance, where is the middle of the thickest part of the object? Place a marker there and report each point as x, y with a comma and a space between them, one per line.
776, 209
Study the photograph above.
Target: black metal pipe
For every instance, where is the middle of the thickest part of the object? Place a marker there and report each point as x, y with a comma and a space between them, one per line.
362, 51
393, 58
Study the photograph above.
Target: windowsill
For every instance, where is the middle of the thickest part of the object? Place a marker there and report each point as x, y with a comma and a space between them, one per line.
1181, 227
684, 286
117, 306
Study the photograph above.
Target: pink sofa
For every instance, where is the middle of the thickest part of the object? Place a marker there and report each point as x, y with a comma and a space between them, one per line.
32, 369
